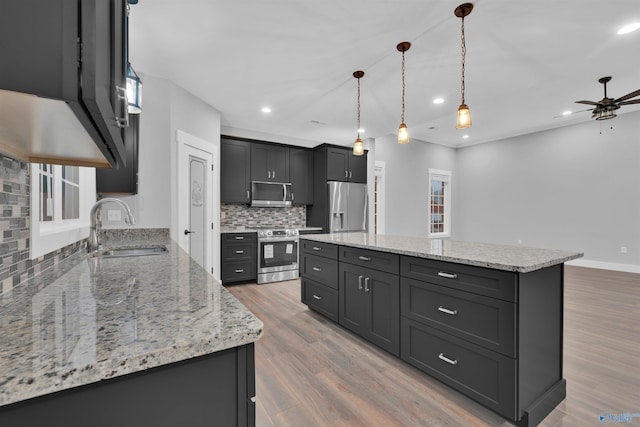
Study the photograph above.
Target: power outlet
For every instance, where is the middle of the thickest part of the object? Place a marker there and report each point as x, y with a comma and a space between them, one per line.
623, 249
114, 215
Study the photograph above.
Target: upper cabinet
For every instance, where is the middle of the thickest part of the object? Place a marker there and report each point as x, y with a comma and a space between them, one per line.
235, 171
269, 163
301, 176
342, 165
122, 180
62, 81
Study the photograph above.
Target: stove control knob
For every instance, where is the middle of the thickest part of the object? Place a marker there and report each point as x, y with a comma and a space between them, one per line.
268, 233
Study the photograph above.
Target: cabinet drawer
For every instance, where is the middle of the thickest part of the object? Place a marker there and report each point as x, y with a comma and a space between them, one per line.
320, 269
238, 251
326, 250
485, 321
380, 261
481, 374
235, 271
481, 281
239, 237
320, 298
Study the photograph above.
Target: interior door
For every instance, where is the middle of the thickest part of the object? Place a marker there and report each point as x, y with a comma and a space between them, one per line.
198, 192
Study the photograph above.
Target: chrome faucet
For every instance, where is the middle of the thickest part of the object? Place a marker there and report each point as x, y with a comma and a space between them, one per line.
93, 243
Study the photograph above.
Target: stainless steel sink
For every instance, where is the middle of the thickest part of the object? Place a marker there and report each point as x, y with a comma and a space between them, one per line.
132, 251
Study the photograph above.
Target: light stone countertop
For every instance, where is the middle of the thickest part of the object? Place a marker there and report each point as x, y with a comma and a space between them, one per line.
501, 257
87, 319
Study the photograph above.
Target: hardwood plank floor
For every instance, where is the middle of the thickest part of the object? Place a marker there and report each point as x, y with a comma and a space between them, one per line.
312, 372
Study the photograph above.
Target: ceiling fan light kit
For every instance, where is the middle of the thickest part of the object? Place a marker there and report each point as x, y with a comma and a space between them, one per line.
464, 115
358, 146
403, 132
606, 107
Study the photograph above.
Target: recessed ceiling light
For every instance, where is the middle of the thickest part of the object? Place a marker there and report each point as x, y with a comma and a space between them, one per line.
360, 130
629, 28
566, 113
465, 136
266, 110
438, 100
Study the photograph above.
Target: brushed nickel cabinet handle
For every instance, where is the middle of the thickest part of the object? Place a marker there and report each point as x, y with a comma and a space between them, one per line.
366, 284
240, 270
316, 297
447, 311
359, 283
365, 258
444, 358
317, 269
349, 174
239, 252
346, 174
247, 194
447, 275
315, 248
239, 237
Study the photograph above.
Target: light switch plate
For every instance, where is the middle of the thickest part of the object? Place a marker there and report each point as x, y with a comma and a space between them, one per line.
114, 215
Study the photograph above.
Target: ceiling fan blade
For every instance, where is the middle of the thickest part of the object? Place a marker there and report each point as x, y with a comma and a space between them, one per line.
629, 95
587, 102
634, 101
575, 112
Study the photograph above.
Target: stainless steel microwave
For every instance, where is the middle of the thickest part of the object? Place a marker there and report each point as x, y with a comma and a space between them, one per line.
271, 194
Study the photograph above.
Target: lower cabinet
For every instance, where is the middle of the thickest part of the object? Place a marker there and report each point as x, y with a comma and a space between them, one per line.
212, 390
238, 257
369, 305
319, 297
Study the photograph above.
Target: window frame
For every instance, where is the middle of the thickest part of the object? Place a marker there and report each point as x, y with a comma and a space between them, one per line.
48, 236
444, 176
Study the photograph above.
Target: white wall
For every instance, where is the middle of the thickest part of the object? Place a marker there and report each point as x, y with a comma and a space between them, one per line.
576, 188
407, 182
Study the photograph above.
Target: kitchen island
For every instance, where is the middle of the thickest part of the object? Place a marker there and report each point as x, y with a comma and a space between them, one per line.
127, 341
484, 319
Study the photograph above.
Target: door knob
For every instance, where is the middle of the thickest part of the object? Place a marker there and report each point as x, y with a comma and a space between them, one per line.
188, 232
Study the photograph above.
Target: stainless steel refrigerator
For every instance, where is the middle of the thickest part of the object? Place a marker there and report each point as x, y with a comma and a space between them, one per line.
347, 206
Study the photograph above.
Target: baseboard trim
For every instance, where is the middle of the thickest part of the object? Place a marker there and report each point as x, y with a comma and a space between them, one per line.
627, 268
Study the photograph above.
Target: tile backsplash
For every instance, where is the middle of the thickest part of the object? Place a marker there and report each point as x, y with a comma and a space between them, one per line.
15, 265
236, 215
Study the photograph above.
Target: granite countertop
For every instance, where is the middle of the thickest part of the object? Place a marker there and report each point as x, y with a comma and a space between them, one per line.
501, 257
88, 319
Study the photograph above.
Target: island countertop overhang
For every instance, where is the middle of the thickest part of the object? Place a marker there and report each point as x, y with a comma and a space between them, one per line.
519, 259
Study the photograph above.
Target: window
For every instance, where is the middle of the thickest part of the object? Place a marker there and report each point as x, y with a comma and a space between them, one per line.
60, 204
439, 203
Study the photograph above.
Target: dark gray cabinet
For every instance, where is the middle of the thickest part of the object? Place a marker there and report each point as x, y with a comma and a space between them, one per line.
73, 52
342, 165
216, 389
369, 305
238, 257
319, 277
269, 163
123, 180
301, 176
235, 171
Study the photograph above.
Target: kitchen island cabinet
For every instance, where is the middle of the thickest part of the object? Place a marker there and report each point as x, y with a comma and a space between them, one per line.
484, 319
148, 340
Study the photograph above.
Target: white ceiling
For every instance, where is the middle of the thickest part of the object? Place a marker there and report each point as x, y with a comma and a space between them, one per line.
526, 63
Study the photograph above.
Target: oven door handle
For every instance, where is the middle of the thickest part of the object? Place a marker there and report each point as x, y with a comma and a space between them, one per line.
278, 239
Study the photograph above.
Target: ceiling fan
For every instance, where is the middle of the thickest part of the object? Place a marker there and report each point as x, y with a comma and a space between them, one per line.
605, 108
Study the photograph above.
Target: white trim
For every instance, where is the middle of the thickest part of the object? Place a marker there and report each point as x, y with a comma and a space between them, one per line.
447, 203
380, 174
627, 268
50, 236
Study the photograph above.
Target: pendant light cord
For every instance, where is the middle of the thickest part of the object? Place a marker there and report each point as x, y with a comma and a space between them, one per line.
402, 118
464, 54
358, 108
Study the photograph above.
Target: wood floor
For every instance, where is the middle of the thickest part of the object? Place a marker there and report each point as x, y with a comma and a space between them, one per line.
312, 372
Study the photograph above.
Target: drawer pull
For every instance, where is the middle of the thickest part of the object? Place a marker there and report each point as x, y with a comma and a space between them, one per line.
366, 284
447, 311
317, 269
315, 248
447, 275
316, 297
239, 252
444, 358
239, 238
364, 258
240, 270
359, 283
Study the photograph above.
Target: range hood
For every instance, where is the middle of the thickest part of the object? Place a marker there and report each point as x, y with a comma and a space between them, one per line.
42, 130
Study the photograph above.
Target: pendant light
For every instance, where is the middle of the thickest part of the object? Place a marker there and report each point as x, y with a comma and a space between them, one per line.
358, 146
403, 132
464, 116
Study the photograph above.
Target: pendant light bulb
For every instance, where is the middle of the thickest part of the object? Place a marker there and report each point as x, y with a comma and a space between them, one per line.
464, 117
358, 146
403, 134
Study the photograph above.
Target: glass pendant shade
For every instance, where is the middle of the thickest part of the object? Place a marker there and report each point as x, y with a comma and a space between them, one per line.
464, 117
403, 134
134, 92
358, 147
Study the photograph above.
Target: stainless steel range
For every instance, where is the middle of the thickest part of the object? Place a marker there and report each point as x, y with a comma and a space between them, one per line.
277, 254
